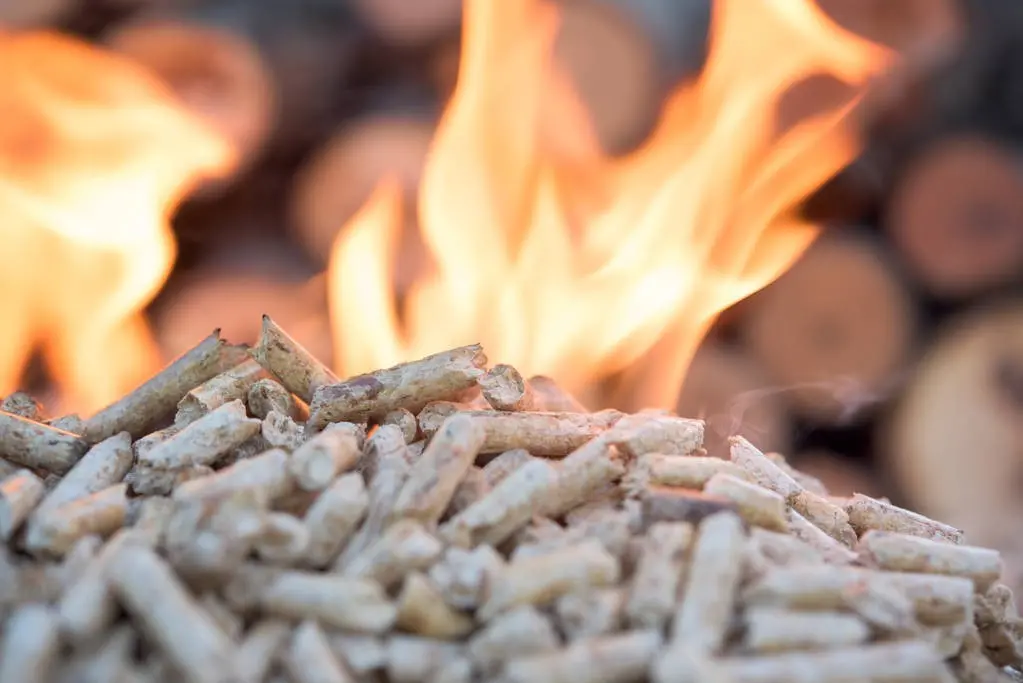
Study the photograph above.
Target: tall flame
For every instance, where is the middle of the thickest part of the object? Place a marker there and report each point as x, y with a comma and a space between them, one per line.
94, 156
567, 263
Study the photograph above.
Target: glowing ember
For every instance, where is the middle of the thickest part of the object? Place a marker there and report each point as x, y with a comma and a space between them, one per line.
566, 263
94, 156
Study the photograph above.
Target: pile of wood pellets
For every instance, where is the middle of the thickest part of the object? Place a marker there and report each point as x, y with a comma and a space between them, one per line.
246, 516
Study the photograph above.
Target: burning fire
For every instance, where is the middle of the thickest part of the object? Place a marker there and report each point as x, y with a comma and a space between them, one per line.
568, 263
95, 154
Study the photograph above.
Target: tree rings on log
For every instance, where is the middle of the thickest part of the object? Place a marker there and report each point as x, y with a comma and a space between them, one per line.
339, 179
409, 24
954, 443
219, 75
612, 65
956, 216
835, 330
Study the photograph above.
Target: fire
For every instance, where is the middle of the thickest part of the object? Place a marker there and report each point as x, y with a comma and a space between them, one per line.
94, 156
568, 263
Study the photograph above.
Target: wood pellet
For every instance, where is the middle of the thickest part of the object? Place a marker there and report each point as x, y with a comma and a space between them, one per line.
400, 533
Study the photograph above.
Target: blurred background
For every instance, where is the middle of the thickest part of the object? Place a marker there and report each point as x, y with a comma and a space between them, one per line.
888, 359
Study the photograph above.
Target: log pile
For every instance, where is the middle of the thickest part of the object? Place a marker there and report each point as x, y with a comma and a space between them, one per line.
247, 516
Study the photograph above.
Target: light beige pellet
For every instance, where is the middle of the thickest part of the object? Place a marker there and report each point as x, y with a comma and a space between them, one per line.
103, 465
260, 648
642, 433
316, 463
462, 576
145, 481
757, 505
100, 513
763, 471
411, 385
687, 471
817, 509
770, 629
308, 658
999, 625
405, 546
830, 549
284, 539
231, 385
618, 658
290, 362
505, 509
505, 389
266, 395
872, 663
141, 410
88, 606
30, 645
359, 605
226, 620
470, 490
19, 494
151, 594
363, 655
334, 517
679, 663
552, 435
146, 443
866, 513
422, 610
581, 475
386, 465
938, 600
504, 464
456, 670
519, 632
266, 473
204, 441
280, 431
827, 516
588, 613
768, 549
709, 595
654, 589
905, 553
112, 660
415, 659
436, 474
543, 579
38, 446
611, 526
405, 421
23, 405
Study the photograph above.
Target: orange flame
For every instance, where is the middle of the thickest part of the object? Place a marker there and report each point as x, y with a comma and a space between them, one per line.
579, 266
94, 156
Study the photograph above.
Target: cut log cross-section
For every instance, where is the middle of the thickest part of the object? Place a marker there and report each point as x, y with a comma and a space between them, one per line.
835, 330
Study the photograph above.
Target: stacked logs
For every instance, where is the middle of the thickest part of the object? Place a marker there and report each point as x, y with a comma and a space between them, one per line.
247, 516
